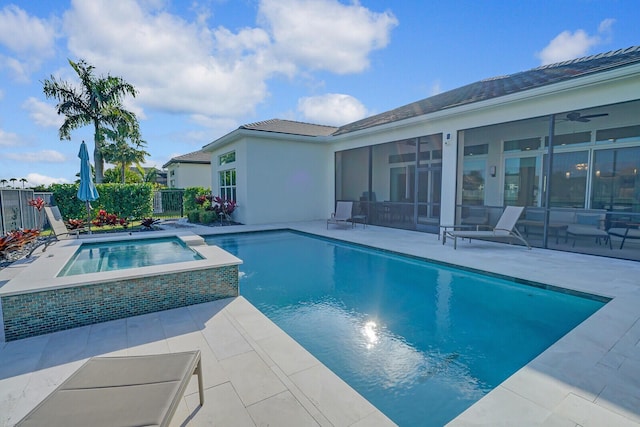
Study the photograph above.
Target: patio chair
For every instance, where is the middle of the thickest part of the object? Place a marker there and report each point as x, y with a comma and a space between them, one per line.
342, 215
589, 225
504, 229
627, 232
120, 391
58, 227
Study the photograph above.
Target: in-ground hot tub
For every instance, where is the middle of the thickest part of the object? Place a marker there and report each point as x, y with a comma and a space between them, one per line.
121, 255
39, 301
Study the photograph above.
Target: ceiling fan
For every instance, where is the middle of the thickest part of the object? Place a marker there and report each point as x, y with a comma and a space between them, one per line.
575, 116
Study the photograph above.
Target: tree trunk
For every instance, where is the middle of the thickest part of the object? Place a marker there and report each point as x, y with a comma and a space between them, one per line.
123, 169
97, 156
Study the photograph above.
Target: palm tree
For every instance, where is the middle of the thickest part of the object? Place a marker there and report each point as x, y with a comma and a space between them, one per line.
13, 182
149, 175
3, 182
119, 152
23, 181
98, 101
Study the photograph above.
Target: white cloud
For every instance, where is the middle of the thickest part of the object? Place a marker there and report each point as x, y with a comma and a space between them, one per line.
43, 156
185, 67
9, 139
568, 45
332, 109
436, 88
35, 179
177, 66
43, 114
605, 27
326, 34
31, 40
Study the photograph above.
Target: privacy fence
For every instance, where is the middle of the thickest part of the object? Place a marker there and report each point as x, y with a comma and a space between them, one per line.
15, 212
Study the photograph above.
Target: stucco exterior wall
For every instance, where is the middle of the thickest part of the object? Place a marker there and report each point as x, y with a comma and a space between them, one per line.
286, 181
278, 180
183, 175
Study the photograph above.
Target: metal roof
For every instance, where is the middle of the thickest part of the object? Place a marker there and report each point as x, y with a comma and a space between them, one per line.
502, 85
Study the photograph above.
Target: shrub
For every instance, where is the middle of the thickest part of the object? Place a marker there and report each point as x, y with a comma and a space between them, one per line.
207, 217
191, 198
193, 216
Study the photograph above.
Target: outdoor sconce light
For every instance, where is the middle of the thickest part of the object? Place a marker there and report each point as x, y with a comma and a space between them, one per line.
492, 171
447, 139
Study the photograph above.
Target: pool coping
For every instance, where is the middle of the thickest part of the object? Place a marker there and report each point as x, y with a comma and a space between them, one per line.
590, 376
42, 274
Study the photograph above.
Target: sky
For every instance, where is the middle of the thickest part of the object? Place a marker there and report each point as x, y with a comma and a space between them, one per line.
203, 68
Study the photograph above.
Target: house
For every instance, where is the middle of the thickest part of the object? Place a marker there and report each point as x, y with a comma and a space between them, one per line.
276, 170
189, 170
481, 146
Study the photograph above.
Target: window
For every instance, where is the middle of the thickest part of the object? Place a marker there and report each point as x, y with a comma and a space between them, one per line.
522, 144
476, 150
521, 181
616, 184
228, 184
473, 181
226, 158
627, 133
569, 179
569, 139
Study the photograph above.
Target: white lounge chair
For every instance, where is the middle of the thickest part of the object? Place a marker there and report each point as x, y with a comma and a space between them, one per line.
342, 215
504, 229
57, 223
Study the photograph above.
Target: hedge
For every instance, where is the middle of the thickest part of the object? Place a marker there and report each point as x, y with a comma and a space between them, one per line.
124, 200
189, 198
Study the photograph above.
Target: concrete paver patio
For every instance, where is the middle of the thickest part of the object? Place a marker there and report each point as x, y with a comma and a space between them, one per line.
257, 375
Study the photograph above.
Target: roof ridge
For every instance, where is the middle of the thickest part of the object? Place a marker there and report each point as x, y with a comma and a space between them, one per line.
275, 120
608, 54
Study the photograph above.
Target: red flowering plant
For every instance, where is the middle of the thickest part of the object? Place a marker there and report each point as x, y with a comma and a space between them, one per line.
38, 203
223, 207
75, 224
105, 218
149, 223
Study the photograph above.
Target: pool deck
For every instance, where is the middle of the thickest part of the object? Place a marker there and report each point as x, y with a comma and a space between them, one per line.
256, 375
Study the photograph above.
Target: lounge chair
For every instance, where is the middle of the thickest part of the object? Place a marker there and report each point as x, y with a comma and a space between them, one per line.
120, 391
504, 229
630, 231
588, 225
342, 215
58, 227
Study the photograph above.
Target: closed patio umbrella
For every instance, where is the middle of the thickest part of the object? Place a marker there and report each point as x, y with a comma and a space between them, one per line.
87, 191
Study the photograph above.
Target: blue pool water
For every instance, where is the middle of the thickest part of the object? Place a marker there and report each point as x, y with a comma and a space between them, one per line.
125, 254
422, 342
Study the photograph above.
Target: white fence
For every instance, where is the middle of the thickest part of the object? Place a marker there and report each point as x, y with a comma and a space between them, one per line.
15, 212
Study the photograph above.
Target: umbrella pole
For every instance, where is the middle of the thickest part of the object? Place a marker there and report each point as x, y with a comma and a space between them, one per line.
89, 215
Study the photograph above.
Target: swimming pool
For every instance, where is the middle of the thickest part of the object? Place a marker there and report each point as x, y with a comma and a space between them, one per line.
125, 254
420, 341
